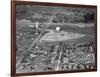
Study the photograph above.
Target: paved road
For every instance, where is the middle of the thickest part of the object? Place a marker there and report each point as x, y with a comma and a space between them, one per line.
56, 48
36, 40
59, 60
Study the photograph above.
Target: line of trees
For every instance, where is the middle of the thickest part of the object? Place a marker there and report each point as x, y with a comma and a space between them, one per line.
72, 16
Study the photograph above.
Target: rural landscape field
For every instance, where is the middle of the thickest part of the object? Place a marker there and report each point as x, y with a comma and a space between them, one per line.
54, 38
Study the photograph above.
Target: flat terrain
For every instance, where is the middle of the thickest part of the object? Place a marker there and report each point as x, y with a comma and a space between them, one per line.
60, 36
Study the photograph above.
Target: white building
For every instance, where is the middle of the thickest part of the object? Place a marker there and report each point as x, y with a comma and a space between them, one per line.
58, 29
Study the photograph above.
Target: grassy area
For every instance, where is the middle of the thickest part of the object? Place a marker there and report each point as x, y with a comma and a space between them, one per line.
69, 28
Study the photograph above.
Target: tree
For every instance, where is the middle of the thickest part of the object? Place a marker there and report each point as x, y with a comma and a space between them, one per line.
88, 17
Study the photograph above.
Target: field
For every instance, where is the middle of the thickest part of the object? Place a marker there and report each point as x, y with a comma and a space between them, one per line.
60, 36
